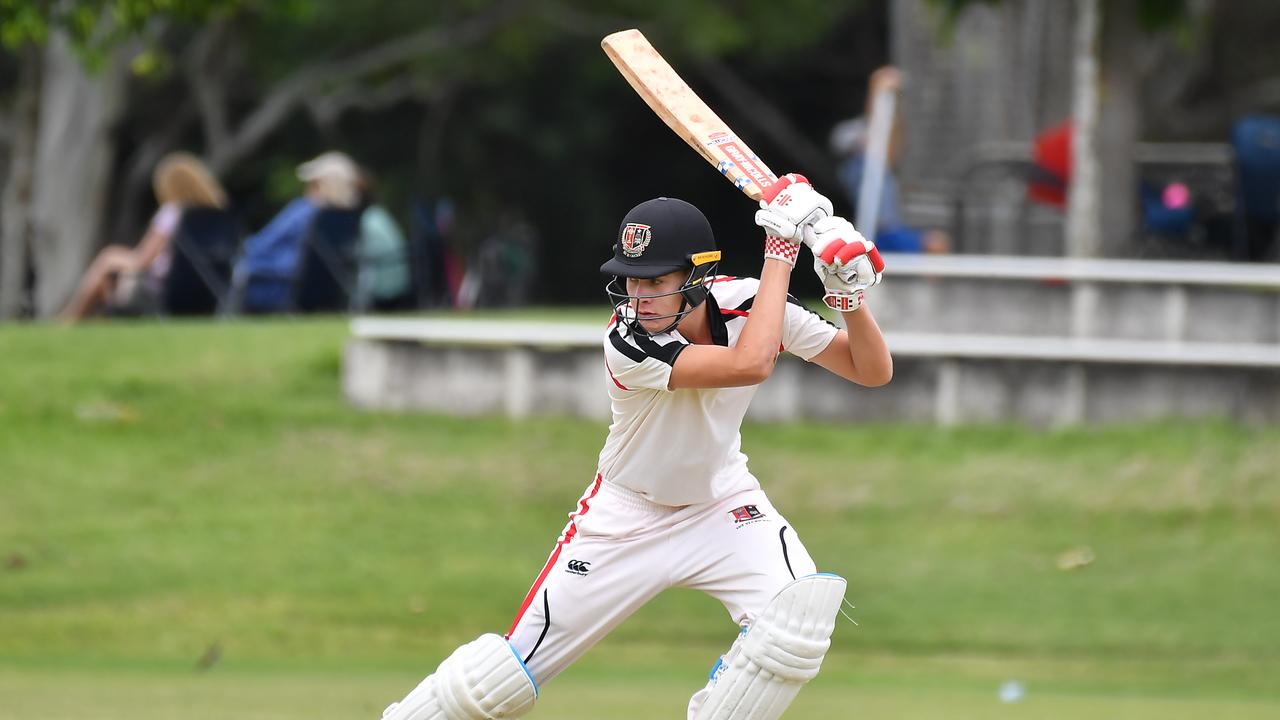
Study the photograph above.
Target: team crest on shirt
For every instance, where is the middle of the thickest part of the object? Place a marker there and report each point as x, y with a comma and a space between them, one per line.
746, 514
635, 238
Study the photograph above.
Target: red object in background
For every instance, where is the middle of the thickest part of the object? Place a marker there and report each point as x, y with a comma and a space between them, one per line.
1052, 154
453, 272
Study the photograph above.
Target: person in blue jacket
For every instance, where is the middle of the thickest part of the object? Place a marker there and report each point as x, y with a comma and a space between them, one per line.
266, 267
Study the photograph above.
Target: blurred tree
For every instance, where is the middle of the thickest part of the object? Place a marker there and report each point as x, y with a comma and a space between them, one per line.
454, 96
94, 27
56, 120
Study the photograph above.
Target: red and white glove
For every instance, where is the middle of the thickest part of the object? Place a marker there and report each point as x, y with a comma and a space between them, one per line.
845, 261
787, 213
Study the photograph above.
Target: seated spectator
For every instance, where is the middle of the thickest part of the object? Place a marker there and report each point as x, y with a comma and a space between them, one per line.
437, 271
264, 273
1256, 142
384, 260
849, 142
180, 181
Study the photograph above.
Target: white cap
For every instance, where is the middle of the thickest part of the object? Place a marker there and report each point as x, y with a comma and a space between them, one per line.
336, 178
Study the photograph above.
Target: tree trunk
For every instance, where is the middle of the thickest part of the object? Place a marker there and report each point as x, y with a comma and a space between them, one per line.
72, 167
1084, 225
1119, 126
15, 205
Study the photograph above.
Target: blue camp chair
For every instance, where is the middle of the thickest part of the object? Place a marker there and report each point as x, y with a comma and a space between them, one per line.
204, 249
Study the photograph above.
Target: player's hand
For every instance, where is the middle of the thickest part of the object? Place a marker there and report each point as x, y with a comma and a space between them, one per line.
887, 77
846, 262
790, 207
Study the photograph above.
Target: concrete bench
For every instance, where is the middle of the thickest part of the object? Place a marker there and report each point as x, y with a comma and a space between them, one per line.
523, 368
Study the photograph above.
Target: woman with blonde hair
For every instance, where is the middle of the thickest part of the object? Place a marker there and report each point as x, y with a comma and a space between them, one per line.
180, 181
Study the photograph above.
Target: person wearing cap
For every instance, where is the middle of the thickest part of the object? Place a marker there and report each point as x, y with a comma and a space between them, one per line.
265, 269
673, 503
849, 142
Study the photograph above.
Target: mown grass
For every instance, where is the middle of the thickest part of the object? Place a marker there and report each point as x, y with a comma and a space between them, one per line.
184, 490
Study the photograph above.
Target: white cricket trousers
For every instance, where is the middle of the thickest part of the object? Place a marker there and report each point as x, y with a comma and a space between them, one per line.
619, 551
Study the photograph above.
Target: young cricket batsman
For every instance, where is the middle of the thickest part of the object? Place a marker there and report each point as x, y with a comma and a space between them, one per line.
673, 503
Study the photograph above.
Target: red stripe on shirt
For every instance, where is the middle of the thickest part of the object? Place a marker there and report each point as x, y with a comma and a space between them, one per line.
569, 531
614, 379
741, 313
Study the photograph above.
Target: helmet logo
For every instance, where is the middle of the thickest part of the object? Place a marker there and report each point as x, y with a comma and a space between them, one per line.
635, 238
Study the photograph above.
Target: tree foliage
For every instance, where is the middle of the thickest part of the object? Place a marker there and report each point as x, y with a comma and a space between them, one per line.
94, 26
508, 106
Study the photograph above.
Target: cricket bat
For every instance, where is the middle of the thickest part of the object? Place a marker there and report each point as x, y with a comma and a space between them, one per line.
685, 113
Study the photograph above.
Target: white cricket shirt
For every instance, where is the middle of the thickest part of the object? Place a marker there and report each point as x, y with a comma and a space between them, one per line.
681, 447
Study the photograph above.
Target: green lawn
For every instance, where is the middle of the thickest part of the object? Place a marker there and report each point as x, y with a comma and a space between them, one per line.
168, 489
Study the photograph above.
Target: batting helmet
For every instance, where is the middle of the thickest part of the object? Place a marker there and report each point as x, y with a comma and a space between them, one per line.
657, 237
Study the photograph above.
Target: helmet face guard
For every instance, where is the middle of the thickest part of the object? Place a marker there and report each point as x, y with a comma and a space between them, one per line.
693, 292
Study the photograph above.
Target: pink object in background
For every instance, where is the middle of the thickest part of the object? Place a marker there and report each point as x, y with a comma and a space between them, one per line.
1176, 195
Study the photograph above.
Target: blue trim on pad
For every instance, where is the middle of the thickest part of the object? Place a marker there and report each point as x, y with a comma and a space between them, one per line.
528, 674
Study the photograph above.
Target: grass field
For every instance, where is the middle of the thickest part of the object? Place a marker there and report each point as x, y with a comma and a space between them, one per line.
193, 524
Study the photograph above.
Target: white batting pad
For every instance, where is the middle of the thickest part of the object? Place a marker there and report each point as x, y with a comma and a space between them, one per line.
782, 650
482, 680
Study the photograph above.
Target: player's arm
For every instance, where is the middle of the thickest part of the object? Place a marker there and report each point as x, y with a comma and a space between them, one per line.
858, 354
790, 207
848, 264
751, 360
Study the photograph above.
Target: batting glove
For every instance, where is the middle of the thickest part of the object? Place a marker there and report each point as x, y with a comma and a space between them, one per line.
845, 262
787, 213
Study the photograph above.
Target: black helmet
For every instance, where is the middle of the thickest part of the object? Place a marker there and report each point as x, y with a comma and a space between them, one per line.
657, 237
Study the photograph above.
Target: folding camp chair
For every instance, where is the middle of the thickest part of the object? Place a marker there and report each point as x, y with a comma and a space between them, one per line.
327, 278
204, 249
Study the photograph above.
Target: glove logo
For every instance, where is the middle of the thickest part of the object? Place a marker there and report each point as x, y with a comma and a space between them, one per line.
635, 238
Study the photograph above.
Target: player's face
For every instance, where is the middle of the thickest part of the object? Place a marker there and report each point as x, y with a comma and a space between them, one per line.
656, 299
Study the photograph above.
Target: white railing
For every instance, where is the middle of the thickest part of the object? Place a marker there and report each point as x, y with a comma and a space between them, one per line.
1162, 272
1086, 278
551, 335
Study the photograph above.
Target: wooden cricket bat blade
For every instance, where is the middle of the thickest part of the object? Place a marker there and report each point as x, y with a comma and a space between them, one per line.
684, 112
